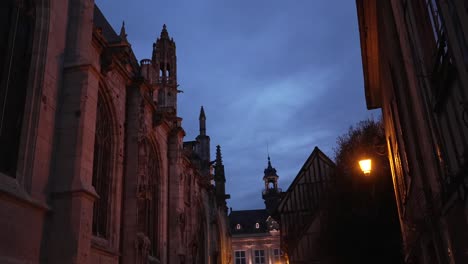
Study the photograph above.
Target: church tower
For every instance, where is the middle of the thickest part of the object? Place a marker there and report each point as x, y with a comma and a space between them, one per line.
203, 144
271, 194
165, 63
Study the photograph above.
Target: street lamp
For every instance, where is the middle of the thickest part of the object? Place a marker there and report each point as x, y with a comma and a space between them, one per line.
366, 166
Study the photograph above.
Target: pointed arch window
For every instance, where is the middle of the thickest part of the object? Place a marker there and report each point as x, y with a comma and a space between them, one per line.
102, 168
16, 40
152, 203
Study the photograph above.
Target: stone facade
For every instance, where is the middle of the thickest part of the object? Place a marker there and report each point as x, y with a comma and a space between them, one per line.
252, 249
414, 56
94, 168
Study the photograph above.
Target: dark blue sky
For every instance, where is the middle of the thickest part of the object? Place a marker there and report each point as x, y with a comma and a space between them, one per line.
283, 73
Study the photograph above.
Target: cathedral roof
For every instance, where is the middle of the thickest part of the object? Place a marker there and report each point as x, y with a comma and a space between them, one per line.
110, 35
107, 31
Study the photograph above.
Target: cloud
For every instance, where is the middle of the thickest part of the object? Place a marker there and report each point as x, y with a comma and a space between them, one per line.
283, 74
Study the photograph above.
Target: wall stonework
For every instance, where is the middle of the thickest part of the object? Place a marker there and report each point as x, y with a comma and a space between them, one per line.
158, 193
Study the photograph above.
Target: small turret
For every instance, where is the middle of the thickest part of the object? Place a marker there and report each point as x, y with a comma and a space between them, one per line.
219, 167
203, 144
270, 177
220, 180
202, 121
271, 194
165, 62
123, 34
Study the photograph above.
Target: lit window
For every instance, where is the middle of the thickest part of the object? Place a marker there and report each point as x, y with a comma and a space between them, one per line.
240, 257
238, 226
257, 225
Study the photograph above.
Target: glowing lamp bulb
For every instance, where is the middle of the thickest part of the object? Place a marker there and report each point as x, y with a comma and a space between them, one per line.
366, 166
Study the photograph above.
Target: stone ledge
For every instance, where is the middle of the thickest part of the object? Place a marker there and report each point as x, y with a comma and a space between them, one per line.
10, 189
102, 247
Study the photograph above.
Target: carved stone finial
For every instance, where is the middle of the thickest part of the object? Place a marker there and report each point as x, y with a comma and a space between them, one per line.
123, 34
164, 33
202, 114
219, 159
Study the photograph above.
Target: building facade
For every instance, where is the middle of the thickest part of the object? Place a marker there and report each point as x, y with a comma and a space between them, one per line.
415, 62
93, 167
301, 213
255, 234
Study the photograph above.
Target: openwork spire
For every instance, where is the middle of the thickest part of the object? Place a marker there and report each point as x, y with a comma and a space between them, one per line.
164, 33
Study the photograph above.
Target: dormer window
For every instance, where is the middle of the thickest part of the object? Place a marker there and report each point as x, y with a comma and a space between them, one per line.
238, 226
257, 225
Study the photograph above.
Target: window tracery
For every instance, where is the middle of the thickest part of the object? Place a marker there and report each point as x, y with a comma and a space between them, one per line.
153, 202
102, 169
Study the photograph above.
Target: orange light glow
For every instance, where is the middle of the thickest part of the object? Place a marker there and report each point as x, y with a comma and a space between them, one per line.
366, 166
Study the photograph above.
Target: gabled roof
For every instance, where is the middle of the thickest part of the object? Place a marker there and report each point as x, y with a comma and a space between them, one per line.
316, 154
247, 220
302, 202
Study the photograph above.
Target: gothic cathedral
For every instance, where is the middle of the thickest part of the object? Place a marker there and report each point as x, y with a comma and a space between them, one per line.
93, 163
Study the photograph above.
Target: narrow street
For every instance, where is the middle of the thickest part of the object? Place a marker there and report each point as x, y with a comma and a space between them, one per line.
233, 132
